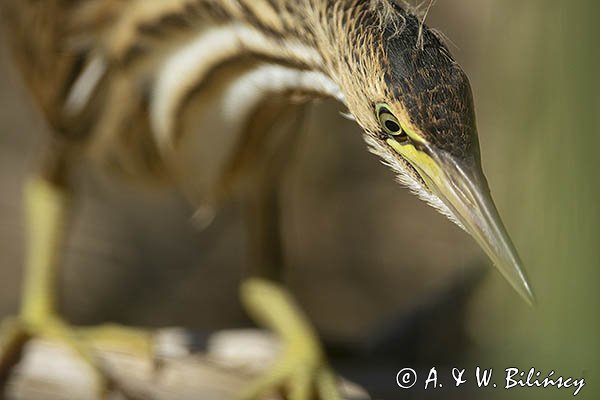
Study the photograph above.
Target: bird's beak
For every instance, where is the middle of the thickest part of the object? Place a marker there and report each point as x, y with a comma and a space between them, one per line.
463, 188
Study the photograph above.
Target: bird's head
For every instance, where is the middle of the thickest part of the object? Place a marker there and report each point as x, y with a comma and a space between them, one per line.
415, 105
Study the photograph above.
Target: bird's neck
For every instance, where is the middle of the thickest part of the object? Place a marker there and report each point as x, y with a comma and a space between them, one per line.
314, 34
311, 46
305, 39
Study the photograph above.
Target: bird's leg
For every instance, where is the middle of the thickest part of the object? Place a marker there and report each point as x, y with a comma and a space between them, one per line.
48, 208
301, 371
47, 205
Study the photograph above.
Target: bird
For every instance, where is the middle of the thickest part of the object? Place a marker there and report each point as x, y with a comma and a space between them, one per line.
208, 95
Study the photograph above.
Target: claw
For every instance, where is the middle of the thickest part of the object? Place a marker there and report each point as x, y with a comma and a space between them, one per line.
297, 379
327, 387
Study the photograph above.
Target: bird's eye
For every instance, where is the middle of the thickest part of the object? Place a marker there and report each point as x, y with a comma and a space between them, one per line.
388, 121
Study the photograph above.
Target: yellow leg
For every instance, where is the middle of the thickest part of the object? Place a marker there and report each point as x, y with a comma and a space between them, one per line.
46, 207
47, 211
301, 371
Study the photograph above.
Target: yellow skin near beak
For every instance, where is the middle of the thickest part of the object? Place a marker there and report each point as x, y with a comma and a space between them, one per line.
464, 190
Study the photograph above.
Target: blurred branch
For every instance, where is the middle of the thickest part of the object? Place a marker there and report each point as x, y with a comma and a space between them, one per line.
231, 360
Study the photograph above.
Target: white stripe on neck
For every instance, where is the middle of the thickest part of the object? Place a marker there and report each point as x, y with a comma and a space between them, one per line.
244, 94
188, 66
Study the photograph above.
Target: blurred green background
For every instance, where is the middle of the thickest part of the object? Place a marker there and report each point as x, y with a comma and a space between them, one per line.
362, 250
539, 103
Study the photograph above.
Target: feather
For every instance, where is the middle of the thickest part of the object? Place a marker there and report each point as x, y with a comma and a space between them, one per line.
406, 179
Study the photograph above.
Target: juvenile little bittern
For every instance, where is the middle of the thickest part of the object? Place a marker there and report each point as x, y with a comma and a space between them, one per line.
193, 90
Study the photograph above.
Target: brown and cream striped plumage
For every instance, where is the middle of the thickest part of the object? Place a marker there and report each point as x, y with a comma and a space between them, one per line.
120, 76
56, 40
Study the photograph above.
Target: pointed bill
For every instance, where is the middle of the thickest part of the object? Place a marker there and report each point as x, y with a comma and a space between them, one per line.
463, 188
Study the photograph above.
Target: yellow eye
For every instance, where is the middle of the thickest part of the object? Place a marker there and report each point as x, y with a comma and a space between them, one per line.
388, 121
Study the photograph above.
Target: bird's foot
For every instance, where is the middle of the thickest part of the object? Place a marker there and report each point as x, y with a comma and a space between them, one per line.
301, 373
16, 332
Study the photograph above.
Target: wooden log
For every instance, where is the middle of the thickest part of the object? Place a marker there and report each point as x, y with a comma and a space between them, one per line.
230, 360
